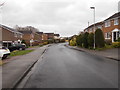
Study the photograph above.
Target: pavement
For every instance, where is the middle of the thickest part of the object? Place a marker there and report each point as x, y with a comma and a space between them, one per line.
108, 53
15, 68
63, 67
0, 78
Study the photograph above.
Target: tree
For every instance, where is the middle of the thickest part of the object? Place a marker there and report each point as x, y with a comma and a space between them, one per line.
85, 40
79, 40
99, 38
91, 40
1, 4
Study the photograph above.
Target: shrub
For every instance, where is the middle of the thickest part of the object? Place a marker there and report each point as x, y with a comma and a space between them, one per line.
51, 41
116, 44
62, 40
91, 40
72, 42
23, 41
45, 43
118, 39
79, 40
108, 41
85, 40
99, 38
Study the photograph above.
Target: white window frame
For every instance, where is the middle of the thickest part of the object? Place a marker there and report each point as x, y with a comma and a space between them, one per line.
99, 27
91, 29
107, 35
116, 22
21, 36
107, 23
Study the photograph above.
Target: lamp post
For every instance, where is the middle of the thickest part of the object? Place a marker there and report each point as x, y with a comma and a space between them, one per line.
94, 23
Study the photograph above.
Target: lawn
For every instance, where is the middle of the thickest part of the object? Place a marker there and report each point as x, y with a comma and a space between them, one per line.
34, 46
18, 53
0, 62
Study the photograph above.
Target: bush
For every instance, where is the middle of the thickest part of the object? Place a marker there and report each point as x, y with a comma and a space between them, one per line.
23, 41
62, 40
116, 44
45, 43
79, 40
91, 40
85, 40
72, 43
108, 42
99, 38
50, 41
118, 39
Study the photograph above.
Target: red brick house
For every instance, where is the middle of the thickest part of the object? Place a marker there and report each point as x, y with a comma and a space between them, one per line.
50, 36
31, 35
44, 37
28, 36
32, 38
9, 35
111, 27
40, 36
56, 38
90, 29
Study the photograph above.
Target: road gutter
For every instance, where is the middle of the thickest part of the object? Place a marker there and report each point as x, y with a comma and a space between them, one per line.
92, 53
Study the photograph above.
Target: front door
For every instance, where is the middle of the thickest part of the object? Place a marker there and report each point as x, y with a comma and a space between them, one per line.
114, 36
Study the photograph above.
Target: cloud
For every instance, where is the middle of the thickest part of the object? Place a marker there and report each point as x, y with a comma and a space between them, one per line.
66, 17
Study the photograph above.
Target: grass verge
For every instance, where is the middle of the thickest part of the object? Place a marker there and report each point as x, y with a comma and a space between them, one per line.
1, 62
35, 46
18, 53
104, 48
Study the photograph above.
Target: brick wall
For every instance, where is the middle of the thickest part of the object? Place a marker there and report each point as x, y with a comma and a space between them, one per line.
110, 28
7, 35
44, 37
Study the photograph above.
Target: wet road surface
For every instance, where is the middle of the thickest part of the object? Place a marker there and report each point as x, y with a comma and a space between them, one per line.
62, 67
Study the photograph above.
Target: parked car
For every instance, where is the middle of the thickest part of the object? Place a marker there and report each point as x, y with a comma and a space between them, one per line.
4, 52
17, 47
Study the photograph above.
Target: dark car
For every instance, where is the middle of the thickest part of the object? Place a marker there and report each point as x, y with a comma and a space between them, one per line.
17, 47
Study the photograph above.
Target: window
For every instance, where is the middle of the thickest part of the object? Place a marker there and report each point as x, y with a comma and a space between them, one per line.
107, 23
118, 34
91, 30
99, 27
107, 35
116, 22
21, 36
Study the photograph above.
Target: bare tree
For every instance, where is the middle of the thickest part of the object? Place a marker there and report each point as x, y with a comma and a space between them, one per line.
1, 4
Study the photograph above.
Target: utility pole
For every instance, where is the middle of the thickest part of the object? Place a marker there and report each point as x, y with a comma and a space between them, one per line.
94, 23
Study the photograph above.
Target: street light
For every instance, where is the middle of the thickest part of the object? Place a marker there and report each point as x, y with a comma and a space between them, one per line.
94, 23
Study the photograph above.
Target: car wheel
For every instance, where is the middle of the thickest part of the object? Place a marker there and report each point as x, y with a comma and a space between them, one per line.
20, 49
4, 57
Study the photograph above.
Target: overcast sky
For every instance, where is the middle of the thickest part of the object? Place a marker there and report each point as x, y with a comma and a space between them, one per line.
66, 17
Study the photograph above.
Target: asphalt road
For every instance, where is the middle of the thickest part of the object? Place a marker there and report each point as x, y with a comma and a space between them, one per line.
62, 67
